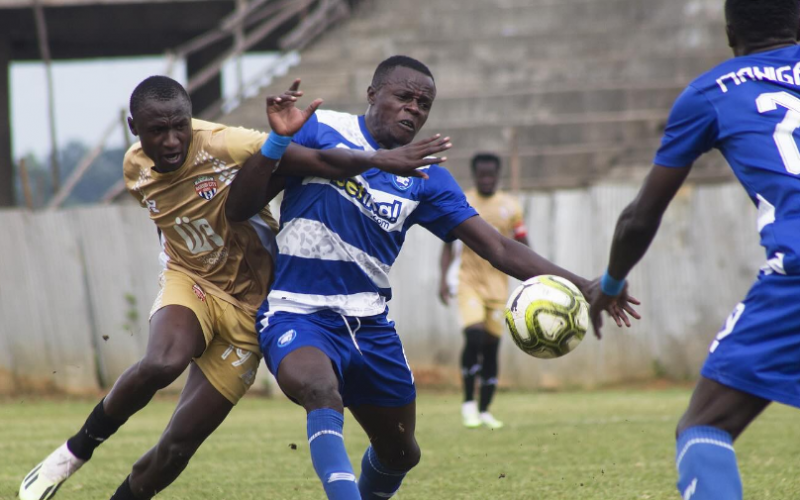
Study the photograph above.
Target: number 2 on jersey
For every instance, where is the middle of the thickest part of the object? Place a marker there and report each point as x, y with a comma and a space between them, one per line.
784, 131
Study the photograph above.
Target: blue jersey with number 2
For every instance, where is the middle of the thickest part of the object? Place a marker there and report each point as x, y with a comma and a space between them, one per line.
749, 108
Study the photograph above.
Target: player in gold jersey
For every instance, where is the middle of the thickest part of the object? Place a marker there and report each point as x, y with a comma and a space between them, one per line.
482, 290
217, 271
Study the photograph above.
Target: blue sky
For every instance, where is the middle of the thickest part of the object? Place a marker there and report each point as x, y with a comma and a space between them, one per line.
89, 94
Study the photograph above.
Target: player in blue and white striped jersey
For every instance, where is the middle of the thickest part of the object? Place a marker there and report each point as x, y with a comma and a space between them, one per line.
324, 329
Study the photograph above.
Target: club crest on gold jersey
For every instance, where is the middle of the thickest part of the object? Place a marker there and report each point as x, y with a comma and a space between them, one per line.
205, 187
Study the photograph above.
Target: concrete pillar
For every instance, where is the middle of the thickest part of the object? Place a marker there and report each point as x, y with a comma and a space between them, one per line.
7, 178
208, 94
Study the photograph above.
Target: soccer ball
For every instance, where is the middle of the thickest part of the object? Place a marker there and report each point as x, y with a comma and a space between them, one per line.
547, 316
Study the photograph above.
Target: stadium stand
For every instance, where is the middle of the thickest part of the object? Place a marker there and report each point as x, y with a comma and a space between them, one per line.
576, 90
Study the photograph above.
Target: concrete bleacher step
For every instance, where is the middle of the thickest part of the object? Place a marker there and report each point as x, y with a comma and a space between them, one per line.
690, 9
486, 108
569, 166
437, 6
673, 40
572, 159
523, 20
598, 128
519, 106
481, 17
334, 83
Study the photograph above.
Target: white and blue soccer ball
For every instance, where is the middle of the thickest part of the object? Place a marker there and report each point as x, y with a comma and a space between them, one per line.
547, 316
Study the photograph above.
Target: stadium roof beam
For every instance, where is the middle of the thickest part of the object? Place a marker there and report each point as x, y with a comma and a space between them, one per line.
83, 29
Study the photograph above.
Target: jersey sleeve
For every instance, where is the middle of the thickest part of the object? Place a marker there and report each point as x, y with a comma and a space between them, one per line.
691, 130
243, 143
517, 222
131, 173
308, 135
443, 205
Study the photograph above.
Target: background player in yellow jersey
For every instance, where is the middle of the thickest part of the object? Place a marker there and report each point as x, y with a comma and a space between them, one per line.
482, 290
217, 271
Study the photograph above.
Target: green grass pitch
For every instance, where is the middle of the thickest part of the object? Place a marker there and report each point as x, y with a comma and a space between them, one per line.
612, 444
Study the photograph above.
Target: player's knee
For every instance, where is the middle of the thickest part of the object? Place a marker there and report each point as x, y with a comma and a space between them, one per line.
160, 371
489, 372
317, 394
171, 458
411, 457
402, 458
175, 454
683, 424
723, 423
472, 348
489, 342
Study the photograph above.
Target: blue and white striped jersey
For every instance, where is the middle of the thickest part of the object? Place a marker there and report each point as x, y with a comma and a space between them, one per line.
338, 239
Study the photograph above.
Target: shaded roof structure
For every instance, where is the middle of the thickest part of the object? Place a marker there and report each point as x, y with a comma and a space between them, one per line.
82, 29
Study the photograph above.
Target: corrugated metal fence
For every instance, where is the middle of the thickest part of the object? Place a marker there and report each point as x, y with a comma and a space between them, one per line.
75, 291
76, 287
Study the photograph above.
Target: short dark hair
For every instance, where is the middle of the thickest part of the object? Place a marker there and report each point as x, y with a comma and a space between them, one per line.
485, 157
754, 21
386, 67
160, 88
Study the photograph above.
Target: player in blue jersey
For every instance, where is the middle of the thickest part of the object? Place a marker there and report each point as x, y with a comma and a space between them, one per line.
324, 328
749, 108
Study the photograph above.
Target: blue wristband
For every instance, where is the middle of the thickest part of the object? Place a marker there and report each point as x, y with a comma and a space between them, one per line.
275, 146
611, 286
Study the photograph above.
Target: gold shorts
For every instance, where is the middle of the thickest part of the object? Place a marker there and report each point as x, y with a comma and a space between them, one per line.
475, 310
232, 354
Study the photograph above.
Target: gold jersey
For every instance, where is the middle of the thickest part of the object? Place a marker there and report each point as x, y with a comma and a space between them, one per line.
231, 260
504, 213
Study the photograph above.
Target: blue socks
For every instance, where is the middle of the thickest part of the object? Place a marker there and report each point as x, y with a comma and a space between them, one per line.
707, 468
376, 481
328, 455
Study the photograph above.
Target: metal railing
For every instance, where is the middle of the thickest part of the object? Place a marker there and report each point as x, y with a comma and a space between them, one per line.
249, 24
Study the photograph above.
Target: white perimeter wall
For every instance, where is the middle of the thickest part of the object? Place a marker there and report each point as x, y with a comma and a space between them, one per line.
76, 287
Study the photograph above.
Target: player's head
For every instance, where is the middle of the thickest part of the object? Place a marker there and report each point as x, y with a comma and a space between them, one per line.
486, 172
759, 24
400, 98
161, 116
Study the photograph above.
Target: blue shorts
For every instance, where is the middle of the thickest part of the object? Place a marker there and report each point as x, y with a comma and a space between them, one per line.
370, 364
758, 349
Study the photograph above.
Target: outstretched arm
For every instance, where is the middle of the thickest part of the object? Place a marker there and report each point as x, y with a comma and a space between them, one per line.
636, 228
444, 265
517, 260
341, 163
253, 186
507, 255
639, 222
691, 130
249, 191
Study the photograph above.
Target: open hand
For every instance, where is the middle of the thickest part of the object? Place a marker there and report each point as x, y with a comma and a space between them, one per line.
284, 117
618, 307
404, 161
